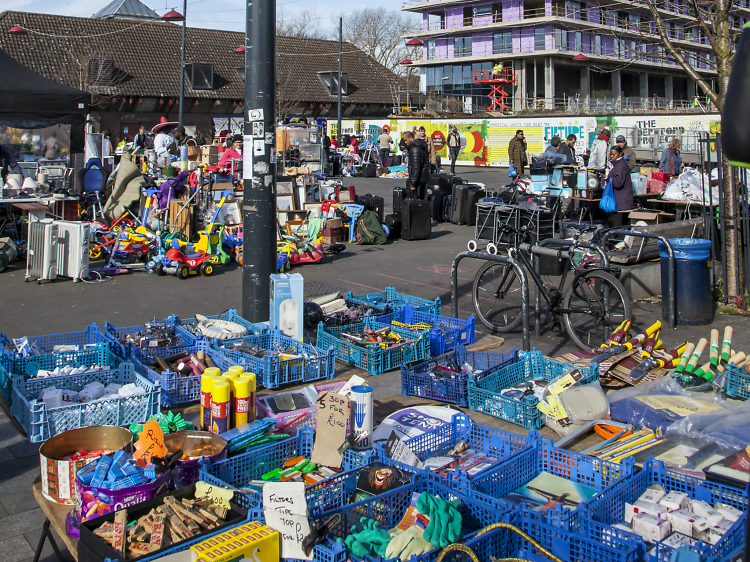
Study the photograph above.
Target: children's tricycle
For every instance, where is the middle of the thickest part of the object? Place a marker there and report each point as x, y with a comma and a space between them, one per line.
178, 264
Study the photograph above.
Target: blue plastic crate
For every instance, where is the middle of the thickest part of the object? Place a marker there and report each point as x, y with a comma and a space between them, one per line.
418, 380
273, 372
395, 301
484, 391
238, 471
445, 332
41, 423
440, 441
495, 483
609, 508
231, 315
176, 389
569, 547
6, 385
98, 354
113, 336
738, 382
373, 358
46, 344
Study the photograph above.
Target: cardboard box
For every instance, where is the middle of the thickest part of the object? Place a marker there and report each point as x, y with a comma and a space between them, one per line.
643, 506
651, 528
675, 500
209, 149
287, 299
649, 217
648, 172
687, 523
334, 232
210, 159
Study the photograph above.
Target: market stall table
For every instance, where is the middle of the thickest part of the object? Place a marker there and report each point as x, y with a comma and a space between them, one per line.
681, 207
56, 514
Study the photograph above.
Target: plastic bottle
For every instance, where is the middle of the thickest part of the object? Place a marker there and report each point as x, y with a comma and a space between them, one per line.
206, 385
231, 377
220, 397
253, 387
241, 401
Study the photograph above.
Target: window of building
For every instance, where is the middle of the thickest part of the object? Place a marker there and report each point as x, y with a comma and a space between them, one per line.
457, 76
533, 9
462, 47
101, 72
645, 24
331, 82
561, 39
200, 76
539, 39
633, 21
430, 49
435, 21
578, 41
468, 17
497, 13
598, 44
430, 77
502, 43
622, 20
468, 77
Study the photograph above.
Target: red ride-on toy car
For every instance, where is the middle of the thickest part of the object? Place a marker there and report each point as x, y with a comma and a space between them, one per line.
178, 264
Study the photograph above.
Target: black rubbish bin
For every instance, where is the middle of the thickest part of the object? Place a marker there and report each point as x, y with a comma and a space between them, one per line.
695, 305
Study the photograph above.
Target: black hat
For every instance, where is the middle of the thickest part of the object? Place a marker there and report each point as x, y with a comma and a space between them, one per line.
179, 129
236, 138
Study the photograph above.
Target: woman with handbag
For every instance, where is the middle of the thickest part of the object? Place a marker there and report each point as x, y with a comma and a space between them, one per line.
621, 185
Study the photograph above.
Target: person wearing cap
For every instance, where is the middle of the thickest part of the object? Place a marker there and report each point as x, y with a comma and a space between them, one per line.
180, 136
599, 152
235, 151
627, 152
164, 139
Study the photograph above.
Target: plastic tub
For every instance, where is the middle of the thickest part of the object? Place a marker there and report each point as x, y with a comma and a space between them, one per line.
196, 444
291, 421
695, 305
445, 332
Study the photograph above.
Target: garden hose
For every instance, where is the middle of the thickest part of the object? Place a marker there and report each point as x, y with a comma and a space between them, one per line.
474, 558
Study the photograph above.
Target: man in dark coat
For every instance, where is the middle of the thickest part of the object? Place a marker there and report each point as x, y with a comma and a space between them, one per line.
619, 175
418, 166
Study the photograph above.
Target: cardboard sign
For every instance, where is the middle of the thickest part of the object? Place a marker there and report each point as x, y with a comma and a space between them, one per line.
217, 494
150, 443
285, 509
332, 415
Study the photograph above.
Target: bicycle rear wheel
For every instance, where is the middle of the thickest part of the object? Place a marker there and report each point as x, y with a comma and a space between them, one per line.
497, 296
595, 304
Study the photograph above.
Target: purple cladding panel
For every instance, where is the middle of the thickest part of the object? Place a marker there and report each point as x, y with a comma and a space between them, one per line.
527, 39
548, 8
512, 10
454, 17
516, 40
441, 49
481, 45
482, 20
425, 21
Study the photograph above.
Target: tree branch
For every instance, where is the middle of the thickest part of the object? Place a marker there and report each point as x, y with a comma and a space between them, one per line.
702, 24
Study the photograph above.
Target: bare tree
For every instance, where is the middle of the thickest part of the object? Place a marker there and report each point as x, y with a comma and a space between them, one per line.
378, 32
305, 23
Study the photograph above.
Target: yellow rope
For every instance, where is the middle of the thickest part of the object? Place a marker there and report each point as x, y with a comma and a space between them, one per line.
474, 558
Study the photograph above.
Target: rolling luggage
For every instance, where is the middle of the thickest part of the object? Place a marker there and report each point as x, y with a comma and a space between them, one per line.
393, 222
476, 194
440, 182
416, 220
436, 205
460, 202
447, 200
399, 194
377, 206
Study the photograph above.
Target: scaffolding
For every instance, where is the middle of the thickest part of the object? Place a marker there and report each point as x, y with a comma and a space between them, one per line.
496, 79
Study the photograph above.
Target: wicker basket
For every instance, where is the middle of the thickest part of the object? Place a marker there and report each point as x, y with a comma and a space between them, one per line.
194, 151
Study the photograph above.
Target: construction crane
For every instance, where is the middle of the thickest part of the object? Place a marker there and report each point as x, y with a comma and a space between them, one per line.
496, 79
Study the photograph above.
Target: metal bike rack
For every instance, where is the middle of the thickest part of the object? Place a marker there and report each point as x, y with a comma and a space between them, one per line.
500, 259
536, 252
672, 294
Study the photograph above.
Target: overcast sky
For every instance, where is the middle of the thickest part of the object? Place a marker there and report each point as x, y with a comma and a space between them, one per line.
223, 14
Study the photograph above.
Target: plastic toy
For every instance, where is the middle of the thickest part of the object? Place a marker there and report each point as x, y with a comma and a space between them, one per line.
178, 264
133, 249
211, 239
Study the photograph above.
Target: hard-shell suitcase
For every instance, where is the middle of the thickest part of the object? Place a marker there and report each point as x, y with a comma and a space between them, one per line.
394, 224
399, 194
447, 201
440, 182
460, 202
416, 220
377, 206
436, 204
476, 194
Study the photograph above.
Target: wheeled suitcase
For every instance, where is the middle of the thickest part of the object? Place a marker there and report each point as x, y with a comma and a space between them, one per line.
436, 204
416, 220
440, 182
394, 224
459, 204
373, 203
447, 200
456, 179
399, 194
476, 194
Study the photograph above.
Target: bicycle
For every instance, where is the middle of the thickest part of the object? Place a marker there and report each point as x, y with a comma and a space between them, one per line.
591, 306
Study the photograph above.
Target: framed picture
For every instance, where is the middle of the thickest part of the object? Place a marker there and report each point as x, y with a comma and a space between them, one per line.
285, 202
285, 186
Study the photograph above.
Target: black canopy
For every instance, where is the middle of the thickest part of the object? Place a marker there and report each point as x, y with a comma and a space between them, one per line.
29, 100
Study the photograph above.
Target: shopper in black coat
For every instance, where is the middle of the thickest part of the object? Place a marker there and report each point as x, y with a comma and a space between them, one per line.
418, 166
619, 174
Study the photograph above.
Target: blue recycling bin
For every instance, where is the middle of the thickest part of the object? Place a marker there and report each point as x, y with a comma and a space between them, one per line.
695, 306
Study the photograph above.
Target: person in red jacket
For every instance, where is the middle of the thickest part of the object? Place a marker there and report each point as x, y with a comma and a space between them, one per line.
235, 151
354, 146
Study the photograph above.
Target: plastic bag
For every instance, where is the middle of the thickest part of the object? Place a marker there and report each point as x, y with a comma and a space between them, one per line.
608, 203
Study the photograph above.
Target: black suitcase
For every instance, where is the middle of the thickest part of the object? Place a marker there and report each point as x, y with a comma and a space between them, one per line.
399, 194
365, 201
440, 182
455, 180
393, 222
436, 204
447, 200
416, 220
476, 194
377, 206
460, 202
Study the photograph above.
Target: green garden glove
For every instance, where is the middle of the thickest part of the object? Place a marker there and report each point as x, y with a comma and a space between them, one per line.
371, 540
406, 544
445, 520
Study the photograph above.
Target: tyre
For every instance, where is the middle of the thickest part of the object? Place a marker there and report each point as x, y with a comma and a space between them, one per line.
472, 245
95, 252
593, 306
182, 271
206, 269
159, 269
497, 296
492, 249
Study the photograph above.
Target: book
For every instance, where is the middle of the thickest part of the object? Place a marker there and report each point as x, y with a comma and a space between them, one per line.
547, 491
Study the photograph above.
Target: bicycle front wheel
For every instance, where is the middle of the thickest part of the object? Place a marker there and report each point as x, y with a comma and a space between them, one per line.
497, 296
594, 305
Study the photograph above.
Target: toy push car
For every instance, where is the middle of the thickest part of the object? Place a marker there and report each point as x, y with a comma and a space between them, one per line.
178, 264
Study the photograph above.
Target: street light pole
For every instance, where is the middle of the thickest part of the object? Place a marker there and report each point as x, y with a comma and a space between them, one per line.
182, 62
338, 121
259, 156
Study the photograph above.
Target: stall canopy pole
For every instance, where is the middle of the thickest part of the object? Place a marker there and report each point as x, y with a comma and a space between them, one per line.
338, 121
182, 63
259, 156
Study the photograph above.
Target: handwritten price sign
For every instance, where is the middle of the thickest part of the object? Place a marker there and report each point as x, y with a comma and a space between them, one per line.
332, 415
285, 509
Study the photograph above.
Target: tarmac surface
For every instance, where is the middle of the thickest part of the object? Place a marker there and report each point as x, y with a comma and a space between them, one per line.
420, 268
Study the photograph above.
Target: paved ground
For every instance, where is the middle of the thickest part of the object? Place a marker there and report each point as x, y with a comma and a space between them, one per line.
420, 268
